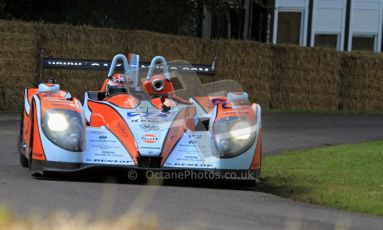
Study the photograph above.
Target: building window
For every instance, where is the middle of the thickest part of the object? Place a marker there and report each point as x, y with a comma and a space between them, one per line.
327, 40
289, 27
363, 43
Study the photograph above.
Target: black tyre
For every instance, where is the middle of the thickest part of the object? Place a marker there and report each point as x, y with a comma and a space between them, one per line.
23, 160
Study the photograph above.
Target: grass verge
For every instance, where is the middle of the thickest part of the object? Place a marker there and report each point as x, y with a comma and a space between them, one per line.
348, 177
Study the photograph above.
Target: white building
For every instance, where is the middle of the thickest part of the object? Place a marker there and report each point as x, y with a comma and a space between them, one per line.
345, 25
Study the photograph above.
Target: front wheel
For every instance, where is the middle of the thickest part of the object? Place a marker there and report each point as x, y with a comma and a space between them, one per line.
34, 167
23, 160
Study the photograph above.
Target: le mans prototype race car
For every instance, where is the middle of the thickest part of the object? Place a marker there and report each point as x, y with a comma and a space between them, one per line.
149, 117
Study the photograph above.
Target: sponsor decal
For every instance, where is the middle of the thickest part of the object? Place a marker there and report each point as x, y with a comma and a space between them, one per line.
195, 136
77, 63
96, 132
236, 114
147, 114
102, 141
193, 164
144, 121
197, 68
65, 63
150, 147
149, 138
58, 104
193, 139
108, 161
148, 127
55, 62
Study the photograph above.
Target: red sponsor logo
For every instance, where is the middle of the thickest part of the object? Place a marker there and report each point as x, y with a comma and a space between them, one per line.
149, 138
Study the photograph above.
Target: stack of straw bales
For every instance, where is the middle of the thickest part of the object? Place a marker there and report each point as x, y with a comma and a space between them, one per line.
277, 77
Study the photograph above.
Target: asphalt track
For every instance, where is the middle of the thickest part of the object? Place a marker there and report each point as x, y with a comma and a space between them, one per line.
186, 204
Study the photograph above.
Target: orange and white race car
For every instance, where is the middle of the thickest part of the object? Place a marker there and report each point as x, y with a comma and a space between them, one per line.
148, 117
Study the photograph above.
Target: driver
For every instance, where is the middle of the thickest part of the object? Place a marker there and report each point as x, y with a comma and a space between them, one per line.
117, 84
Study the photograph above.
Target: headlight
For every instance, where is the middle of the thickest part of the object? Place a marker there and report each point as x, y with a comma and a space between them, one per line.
241, 131
65, 128
57, 122
233, 136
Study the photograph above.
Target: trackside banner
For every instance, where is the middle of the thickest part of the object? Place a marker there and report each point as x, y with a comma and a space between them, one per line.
99, 65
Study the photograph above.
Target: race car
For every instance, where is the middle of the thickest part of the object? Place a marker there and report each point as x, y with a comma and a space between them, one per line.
145, 117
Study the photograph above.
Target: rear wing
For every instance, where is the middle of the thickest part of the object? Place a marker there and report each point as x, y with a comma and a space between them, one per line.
104, 65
